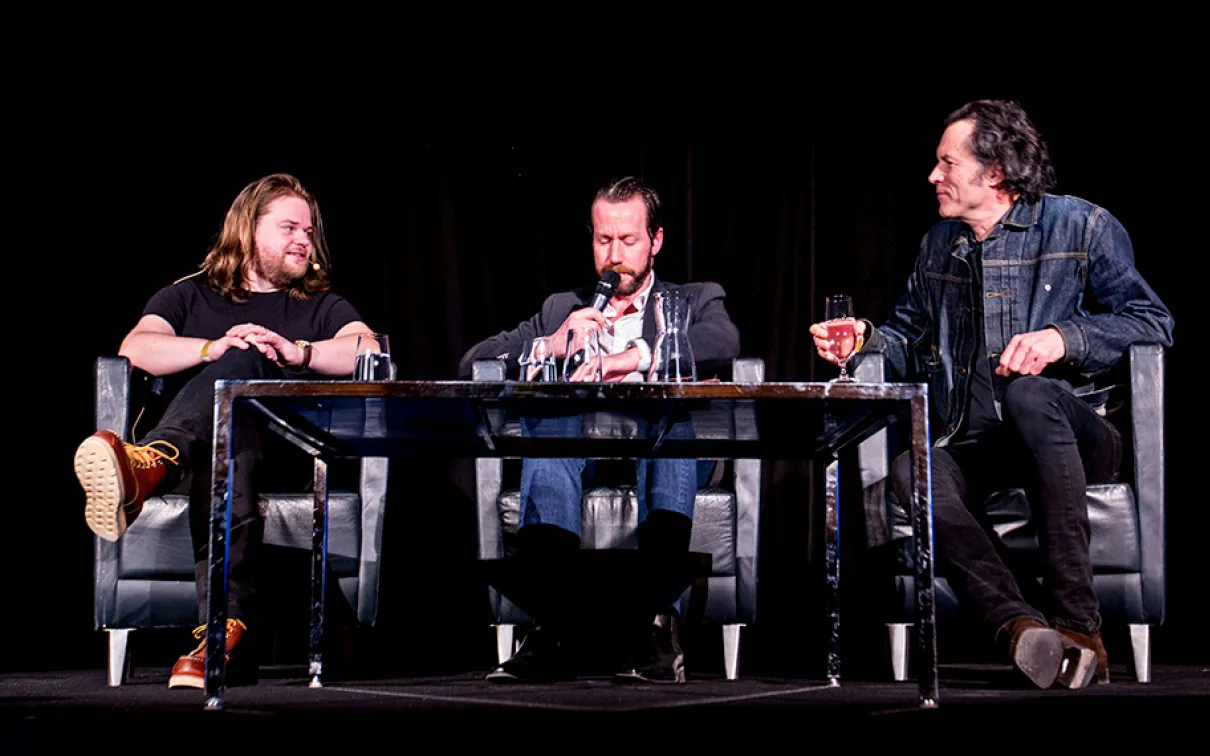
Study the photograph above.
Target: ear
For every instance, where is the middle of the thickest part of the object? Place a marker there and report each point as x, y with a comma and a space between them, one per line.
658, 241
994, 176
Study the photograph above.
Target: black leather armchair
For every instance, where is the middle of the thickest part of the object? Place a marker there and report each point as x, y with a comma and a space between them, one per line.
726, 525
146, 579
1127, 516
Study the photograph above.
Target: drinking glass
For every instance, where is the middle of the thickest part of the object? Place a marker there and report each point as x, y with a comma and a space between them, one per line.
373, 361
583, 361
842, 331
537, 360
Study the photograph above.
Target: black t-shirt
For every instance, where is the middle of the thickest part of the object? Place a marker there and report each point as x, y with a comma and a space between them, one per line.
194, 309
982, 417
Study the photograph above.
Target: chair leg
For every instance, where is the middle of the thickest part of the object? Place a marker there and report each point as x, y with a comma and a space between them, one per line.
898, 632
119, 665
1140, 643
731, 650
504, 642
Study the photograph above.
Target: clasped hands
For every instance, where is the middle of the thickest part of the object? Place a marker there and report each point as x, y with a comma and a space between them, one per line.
282, 351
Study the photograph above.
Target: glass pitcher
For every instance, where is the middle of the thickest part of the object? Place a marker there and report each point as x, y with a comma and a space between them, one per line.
672, 355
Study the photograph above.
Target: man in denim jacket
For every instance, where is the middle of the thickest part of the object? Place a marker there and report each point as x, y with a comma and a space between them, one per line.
1018, 299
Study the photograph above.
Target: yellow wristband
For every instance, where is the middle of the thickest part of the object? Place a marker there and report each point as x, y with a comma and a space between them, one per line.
206, 351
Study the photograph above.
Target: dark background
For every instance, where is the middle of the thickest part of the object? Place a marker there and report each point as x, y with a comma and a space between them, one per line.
454, 205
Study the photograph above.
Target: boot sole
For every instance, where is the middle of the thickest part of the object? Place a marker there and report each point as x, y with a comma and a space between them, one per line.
97, 470
186, 681
1039, 656
1079, 666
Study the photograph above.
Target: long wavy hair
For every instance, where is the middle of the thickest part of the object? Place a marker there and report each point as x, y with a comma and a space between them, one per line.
1005, 137
229, 262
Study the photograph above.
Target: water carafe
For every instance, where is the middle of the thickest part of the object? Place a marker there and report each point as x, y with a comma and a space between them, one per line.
672, 356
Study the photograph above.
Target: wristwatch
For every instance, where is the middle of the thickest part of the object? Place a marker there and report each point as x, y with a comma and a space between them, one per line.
305, 346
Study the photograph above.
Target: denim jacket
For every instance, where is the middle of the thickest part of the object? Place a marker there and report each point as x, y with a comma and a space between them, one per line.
1061, 263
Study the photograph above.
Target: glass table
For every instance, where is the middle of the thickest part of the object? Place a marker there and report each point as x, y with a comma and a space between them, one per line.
475, 419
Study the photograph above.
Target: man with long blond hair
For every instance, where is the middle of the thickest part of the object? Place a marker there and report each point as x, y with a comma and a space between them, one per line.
260, 307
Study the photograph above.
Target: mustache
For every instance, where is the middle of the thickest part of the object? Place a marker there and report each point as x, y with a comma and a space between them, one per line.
619, 268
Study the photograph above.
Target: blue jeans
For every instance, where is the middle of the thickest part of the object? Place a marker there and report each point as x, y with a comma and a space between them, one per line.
552, 489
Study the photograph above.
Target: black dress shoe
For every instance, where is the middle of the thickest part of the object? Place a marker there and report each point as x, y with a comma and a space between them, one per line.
657, 658
542, 658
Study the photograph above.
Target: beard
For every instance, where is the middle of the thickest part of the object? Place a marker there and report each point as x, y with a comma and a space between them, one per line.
271, 268
637, 278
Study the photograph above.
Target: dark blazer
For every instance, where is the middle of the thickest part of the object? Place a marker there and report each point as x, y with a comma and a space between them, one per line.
714, 338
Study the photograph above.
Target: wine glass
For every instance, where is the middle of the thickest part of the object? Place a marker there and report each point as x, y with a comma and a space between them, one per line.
842, 331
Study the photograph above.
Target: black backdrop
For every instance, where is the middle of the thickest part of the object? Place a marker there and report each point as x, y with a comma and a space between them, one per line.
452, 212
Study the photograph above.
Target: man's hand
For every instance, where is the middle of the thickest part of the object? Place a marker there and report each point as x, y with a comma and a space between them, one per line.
827, 346
588, 318
273, 345
1029, 353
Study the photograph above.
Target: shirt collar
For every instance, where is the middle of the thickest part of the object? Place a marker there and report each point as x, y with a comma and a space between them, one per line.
640, 301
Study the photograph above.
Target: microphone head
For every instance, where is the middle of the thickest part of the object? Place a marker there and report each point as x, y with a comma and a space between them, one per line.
609, 282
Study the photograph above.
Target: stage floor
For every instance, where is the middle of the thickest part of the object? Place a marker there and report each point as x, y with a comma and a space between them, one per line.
77, 707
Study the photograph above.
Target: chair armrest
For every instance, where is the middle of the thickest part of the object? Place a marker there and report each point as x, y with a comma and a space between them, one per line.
874, 463
489, 478
373, 493
1147, 429
747, 481
111, 395
111, 411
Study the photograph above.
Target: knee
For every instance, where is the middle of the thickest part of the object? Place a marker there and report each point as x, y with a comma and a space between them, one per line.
1027, 395
945, 476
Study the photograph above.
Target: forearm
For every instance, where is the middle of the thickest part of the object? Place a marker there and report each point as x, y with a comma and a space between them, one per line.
505, 346
714, 338
334, 356
162, 353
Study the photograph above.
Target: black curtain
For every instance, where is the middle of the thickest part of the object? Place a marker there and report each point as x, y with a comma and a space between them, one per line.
450, 217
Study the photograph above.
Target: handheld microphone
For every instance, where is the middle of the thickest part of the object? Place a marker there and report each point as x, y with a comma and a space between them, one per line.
605, 288
600, 297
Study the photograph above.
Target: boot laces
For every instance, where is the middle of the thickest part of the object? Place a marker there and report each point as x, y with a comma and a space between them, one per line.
199, 632
149, 456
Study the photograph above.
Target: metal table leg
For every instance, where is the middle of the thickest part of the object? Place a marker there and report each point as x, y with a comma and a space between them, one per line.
922, 534
319, 571
832, 557
220, 512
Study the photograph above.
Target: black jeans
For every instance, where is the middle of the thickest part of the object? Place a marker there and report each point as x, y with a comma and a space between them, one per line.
1051, 444
188, 424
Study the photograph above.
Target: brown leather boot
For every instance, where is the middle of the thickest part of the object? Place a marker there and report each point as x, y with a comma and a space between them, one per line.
1035, 650
117, 478
1074, 642
190, 670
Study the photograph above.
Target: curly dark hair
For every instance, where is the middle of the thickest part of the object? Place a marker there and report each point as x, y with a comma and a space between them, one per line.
1004, 137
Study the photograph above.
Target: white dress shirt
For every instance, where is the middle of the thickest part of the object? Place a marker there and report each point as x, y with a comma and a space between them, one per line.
626, 331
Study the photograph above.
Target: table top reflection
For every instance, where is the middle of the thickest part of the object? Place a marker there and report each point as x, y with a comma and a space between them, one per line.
470, 419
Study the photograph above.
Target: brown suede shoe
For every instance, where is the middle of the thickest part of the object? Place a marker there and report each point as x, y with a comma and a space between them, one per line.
1035, 650
190, 670
1077, 644
117, 477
